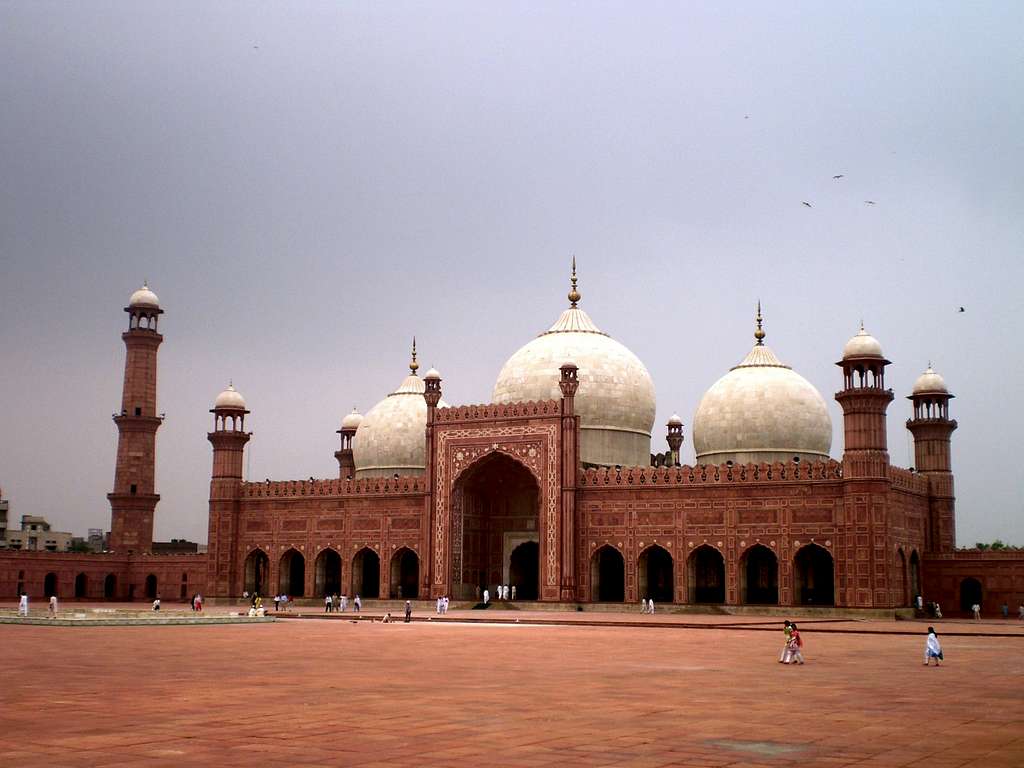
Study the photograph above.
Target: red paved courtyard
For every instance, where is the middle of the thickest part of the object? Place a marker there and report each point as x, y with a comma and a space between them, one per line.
310, 692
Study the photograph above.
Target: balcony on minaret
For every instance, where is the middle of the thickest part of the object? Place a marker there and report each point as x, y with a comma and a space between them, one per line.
864, 400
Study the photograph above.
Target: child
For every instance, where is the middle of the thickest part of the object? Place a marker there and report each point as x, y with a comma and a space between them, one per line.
787, 631
932, 648
796, 644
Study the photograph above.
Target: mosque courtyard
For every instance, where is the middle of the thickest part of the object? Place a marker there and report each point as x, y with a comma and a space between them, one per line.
335, 692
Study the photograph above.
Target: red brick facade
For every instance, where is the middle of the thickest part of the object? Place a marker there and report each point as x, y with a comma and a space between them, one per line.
504, 499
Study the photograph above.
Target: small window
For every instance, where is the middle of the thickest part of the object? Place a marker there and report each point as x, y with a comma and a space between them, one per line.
134, 489
138, 411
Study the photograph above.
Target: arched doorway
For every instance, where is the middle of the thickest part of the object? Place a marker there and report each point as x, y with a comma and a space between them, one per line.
81, 586
50, 584
257, 567
21, 583
902, 595
151, 586
366, 574
524, 570
915, 575
328, 573
655, 575
970, 593
110, 586
607, 575
813, 576
405, 574
292, 574
494, 511
706, 569
759, 576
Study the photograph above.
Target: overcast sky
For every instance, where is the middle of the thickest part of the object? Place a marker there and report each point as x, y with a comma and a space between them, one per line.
307, 185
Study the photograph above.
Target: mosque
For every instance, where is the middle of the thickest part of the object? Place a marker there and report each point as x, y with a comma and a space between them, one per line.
555, 488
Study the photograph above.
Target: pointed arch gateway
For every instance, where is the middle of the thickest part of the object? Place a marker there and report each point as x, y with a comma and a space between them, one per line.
814, 576
495, 510
257, 569
405, 574
292, 574
607, 575
759, 576
81, 586
706, 570
656, 574
366, 574
327, 573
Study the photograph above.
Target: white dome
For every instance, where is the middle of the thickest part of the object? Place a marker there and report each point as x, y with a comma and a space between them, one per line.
930, 383
761, 411
352, 420
392, 435
675, 421
862, 345
144, 298
615, 400
432, 374
230, 398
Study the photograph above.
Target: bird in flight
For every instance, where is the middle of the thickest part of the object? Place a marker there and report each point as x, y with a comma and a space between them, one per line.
962, 309
838, 176
869, 202
806, 203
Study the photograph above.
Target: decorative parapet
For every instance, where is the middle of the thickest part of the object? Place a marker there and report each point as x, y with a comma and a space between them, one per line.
496, 411
367, 486
711, 474
906, 480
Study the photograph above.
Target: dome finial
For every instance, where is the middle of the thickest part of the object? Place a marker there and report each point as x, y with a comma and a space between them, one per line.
574, 295
759, 333
413, 365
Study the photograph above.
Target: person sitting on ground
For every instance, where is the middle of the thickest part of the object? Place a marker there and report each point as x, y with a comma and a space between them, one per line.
386, 619
932, 648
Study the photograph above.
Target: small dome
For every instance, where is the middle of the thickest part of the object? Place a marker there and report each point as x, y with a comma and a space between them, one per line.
391, 436
675, 421
761, 411
144, 298
352, 420
862, 345
615, 400
231, 399
930, 383
432, 374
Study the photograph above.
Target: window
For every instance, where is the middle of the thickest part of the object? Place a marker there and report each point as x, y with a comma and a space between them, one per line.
138, 411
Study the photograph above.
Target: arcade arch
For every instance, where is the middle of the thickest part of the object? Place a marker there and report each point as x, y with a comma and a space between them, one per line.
706, 571
524, 570
366, 574
81, 586
813, 576
291, 579
151, 585
759, 576
50, 584
970, 593
656, 575
327, 572
110, 586
607, 575
257, 567
405, 574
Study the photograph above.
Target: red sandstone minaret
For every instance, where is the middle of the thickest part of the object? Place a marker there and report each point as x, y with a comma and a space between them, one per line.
228, 439
134, 499
569, 383
674, 438
432, 395
864, 400
932, 429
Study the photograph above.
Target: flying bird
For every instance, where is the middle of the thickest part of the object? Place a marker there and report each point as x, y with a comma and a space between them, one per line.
838, 176
806, 203
962, 309
869, 202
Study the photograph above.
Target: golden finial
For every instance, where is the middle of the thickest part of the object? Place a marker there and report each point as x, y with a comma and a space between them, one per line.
574, 295
759, 333
413, 365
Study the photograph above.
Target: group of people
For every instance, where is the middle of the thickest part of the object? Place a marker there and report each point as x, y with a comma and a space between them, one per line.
339, 603
197, 603
501, 592
792, 648
442, 605
646, 606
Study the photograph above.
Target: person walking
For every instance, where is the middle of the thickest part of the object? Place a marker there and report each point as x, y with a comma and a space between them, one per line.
277, 602
23, 605
976, 610
357, 604
787, 631
408, 611
53, 607
1005, 608
327, 604
199, 602
932, 647
1020, 612
796, 645
344, 603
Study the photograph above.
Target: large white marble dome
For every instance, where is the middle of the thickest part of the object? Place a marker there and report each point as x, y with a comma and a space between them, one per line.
615, 400
761, 411
391, 438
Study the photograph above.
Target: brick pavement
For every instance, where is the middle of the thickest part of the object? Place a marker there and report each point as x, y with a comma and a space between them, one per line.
430, 694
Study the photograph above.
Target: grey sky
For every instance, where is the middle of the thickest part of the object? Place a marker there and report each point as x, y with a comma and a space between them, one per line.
308, 185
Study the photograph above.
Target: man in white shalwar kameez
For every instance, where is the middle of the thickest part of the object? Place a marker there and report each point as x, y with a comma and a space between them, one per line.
487, 596
932, 647
23, 605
